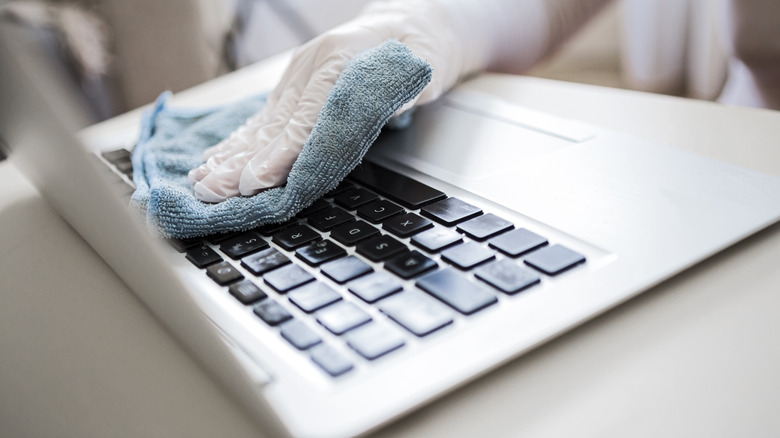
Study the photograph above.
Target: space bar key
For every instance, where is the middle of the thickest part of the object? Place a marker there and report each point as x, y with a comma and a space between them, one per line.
399, 188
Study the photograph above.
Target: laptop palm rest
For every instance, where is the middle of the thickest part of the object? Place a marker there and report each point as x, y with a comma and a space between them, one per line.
615, 192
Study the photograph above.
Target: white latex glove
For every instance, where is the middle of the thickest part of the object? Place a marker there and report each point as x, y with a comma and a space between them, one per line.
260, 154
457, 37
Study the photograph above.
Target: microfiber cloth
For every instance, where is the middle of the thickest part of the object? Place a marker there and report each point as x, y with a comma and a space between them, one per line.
372, 86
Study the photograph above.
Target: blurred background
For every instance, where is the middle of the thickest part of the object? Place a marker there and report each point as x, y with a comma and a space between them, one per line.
122, 54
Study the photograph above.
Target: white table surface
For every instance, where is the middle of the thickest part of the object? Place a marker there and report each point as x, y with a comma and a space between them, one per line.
697, 355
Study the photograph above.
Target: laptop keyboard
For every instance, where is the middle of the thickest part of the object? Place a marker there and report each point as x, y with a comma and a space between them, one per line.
393, 243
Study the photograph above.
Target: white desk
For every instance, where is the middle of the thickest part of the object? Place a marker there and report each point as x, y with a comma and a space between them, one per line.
698, 355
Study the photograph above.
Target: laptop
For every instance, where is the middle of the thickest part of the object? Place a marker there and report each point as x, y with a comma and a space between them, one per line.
527, 226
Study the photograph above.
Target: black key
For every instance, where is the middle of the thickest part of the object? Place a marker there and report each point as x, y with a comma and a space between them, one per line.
320, 252
374, 287
247, 292
457, 291
374, 340
116, 155
406, 225
410, 264
342, 317
353, 232
467, 255
378, 210
272, 312
182, 245
517, 242
214, 239
554, 259
404, 190
328, 218
344, 185
300, 335
318, 205
295, 237
264, 261
313, 297
346, 269
450, 211
507, 276
223, 273
436, 239
380, 248
354, 198
330, 360
415, 313
485, 226
269, 230
203, 256
243, 244
287, 278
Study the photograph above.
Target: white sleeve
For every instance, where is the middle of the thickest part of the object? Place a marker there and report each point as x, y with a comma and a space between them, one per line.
512, 35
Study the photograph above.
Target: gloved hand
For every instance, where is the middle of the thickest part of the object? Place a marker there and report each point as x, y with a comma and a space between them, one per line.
457, 37
259, 154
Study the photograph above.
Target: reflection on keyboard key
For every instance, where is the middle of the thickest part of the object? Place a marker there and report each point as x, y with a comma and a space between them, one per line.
318, 205
287, 278
344, 185
342, 317
320, 252
313, 297
330, 360
217, 238
467, 255
264, 261
507, 276
375, 286
295, 237
354, 198
223, 273
406, 225
353, 232
374, 340
300, 335
346, 269
203, 256
269, 230
450, 211
485, 226
410, 264
517, 242
380, 248
379, 210
436, 239
272, 312
242, 244
328, 218
457, 291
416, 313
247, 292
554, 259
409, 192
182, 245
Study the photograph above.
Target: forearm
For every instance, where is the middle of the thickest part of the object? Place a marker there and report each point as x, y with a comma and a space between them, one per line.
513, 35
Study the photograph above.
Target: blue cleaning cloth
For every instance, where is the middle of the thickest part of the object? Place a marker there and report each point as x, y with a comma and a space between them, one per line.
373, 85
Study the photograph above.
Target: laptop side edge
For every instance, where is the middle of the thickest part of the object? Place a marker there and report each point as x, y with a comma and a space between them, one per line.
37, 121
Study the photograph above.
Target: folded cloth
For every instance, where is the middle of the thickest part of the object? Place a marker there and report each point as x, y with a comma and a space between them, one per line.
373, 85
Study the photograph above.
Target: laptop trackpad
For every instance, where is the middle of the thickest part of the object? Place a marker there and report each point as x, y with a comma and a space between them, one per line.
467, 137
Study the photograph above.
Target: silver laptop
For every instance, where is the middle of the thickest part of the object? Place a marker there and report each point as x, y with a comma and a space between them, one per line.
525, 227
